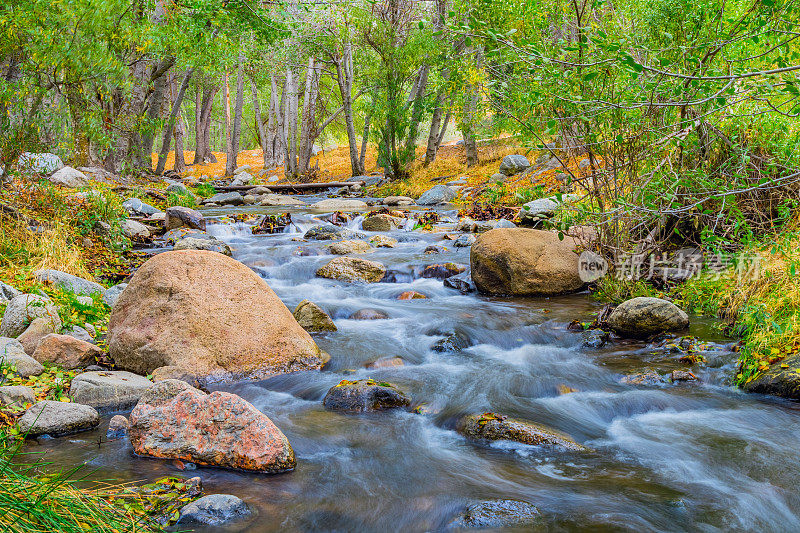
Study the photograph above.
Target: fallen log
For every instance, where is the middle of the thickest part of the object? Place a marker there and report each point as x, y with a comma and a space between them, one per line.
289, 186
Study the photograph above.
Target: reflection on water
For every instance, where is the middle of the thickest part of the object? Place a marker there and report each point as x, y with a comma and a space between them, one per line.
685, 457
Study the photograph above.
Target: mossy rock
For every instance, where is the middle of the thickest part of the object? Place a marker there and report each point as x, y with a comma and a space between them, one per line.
364, 395
492, 426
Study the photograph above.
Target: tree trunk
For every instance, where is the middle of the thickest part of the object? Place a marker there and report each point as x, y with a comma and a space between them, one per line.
180, 133
262, 134
272, 125
176, 107
291, 124
206, 155
436, 123
233, 151
153, 111
418, 100
364, 139
470, 117
344, 73
226, 104
308, 124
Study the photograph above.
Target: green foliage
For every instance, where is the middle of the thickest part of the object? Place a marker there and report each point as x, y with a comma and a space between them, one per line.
185, 199
205, 190
74, 312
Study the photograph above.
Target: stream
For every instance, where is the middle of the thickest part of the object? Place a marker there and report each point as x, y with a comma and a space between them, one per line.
695, 456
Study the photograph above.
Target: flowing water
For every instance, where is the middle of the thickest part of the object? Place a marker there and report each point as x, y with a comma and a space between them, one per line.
683, 457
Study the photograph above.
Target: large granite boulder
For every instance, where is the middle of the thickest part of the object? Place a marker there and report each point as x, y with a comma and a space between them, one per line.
208, 314
438, 194
57, 418
514, 164
43, 163
352, 269
69, 282
644, 316
108, 390
176, 421
524, 262
69, 177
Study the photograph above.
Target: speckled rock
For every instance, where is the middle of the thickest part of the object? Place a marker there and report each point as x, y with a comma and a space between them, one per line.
180, 216
496, 515
491, 426
644, 316
312, 317
352, 269
364, 395
66, 351
214, 510
350, 247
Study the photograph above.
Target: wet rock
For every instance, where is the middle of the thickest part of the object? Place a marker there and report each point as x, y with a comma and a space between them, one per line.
459, 283
514, 164
303, 251
453, 342
385, 362
524, 262
336, 204
381, 222
226, 198
779, 380
174, 421
57, 418
442, 270
136, 207
646, 378
17, 396
111, 295
179, 216
35, 332
497, 515
352, 269
207, 314
13, 354
329, 232
349, 247
682, 375
438, 194
208, 245
69, 177
66, 351
644, 316
398, 201
491, 426
594, 338
280, 199
68, 282
383, 241
465, 241
434, 249
312, 318
134, 230
108, 390
214, 510
364, 395
411, 295
118, 427
369, 314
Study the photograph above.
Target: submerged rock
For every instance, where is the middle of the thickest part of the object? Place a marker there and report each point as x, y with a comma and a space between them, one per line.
352, 269
364, 395
329, 232
496, 514
208, 314
57, 418
118, 427
411, 295
644, 316
214, 510
312, 317
176, 421
385, 362
349, 247
647, 378
491, 426
442, 270
369, 314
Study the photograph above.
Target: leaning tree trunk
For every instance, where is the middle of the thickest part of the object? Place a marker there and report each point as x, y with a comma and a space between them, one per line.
417, 100
291, 124
233, 151
176, 107
436, 123
308, 126
226, 104
262, 134
344, 77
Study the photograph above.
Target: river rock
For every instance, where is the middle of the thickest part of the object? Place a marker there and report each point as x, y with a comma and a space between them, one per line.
23, 309
497, 515
111, 295
35, 332
398, 201
452, 343
383, 241
68, 282
385, 362
134, 230
364, 395
594, 338
13, 354
411, 295
646, 377
226, 198
312, 318
178, 216
214, 510
69, 177
108, 390
118, 427
208, 245
174, 235
329, 232
208, 314
352, 269
491, 426
350, 247
280, 199
465, 241
514, 164
337, 204
777, 380
43, 163
644, 316
438, 194
57, 418
381, 222
176, 421
66, 351
135, 206
442, 270
460, 283
369, 314
524, 262
16, 396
